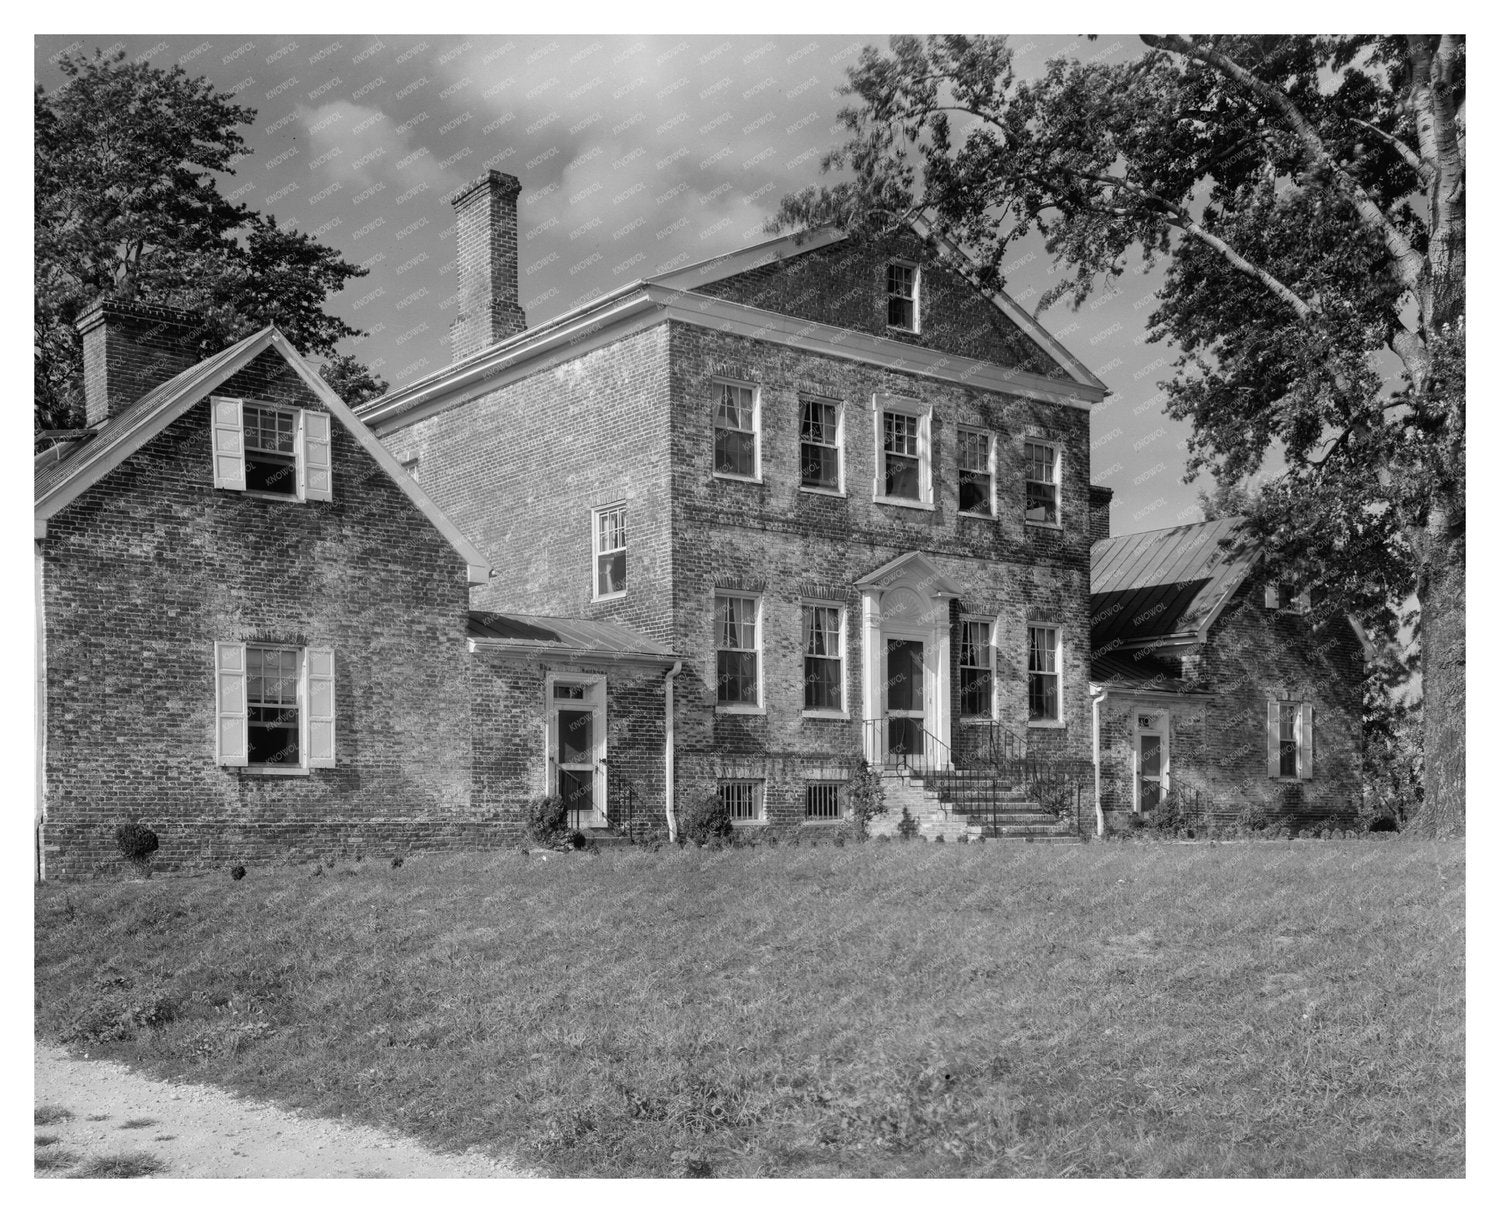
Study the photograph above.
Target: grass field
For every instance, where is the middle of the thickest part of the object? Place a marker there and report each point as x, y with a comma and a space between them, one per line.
885, 1009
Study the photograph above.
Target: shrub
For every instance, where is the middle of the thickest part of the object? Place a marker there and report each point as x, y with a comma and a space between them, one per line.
864, 795
705, 820
546, 820
136, 843
907, 827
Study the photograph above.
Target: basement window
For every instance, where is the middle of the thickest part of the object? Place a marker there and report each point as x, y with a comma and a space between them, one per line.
743, 798
823, 801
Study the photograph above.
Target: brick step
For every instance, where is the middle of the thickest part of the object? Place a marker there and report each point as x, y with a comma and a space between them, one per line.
1007, 819
1039, 839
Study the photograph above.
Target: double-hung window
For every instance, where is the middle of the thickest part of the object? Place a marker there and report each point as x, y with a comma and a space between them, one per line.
609, 552
743, 798
976, 665
737, 432
1043, 677
822, 658
976, 473
904, 474
737, 643
1042, 483
1289, 734
821, 446
271, 450
274, 705
901, 298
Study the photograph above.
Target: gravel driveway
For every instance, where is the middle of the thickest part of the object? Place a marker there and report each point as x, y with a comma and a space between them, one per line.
205, 1132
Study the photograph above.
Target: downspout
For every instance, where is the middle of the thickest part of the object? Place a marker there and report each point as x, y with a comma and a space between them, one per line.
671, 762
39, 817
1098, 794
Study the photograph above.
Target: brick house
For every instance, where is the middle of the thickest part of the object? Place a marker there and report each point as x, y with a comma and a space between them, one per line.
842, 489
1216, 690
251, 625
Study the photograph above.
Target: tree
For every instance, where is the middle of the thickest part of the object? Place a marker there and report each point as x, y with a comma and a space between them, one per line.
1307, 195
127, 208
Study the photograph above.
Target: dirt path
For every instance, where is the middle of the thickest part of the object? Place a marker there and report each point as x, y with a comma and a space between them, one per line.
206, 1132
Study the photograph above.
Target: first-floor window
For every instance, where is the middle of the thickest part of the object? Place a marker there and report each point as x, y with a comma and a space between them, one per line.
1290, 730
274, 705
737, 629
975, 666
1042, 675
609, 551
743, 798
822, 802
823, 658
272, 682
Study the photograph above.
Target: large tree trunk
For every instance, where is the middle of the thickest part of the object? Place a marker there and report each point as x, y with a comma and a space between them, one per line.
1443, 691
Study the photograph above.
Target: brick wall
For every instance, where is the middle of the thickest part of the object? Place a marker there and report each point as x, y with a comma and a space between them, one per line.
152, 565
489, 304
130, 348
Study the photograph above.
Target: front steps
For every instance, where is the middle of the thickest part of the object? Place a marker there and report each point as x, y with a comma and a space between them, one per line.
968, 804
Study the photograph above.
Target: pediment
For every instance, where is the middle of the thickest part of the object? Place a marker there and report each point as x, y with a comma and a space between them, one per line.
912, 569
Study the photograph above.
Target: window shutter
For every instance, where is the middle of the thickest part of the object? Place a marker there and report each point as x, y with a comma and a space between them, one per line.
320, 708
1273, 598
1273, 739
232, 720
317, 461
228, 424
1305, 741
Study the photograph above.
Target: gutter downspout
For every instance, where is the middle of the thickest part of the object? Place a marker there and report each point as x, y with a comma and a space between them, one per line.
670, 756
1098, 797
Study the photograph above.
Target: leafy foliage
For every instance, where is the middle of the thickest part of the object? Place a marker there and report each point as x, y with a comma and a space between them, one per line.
705, 819
546, 820
127, 208
135, 841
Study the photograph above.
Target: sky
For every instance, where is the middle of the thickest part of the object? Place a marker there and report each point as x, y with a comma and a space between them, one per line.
635, 154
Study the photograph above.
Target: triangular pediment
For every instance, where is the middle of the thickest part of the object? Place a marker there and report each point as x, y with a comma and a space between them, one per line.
913, 567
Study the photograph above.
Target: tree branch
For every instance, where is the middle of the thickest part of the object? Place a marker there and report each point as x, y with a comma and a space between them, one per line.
1424, 174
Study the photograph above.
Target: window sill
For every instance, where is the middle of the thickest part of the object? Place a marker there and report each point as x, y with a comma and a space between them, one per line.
738, 709
274, 772
1291, 779
823, 714
817, 492
1045, 724
731, 477
897, 328
823, 822
987, 517
905, 502
262, 495
609, 597
1045, 526
976, 719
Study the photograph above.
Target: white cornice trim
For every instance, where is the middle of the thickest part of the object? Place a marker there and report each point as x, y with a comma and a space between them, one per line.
558, 652
714, 269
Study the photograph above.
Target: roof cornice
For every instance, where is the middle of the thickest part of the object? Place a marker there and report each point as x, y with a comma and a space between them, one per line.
562, 652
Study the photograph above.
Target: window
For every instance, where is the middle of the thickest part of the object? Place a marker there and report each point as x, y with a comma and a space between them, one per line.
901, 296
976, 477
413, 468
1041, 483
822, 802
743, 798
270, 450
736, 432
737, 630
822, 658
609, 552
1283, 596
903, 472
821, 446
975, 667
1289, 730
1042, 677
274, 705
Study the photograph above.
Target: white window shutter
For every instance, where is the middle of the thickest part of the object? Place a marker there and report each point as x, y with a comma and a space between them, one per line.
1273, 739
320, 708
228, 425
1273, 596
232, 718
1305, 741
317, 460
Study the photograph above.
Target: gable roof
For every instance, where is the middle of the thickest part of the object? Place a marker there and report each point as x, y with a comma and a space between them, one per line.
1169, 585
556, 636
84, 464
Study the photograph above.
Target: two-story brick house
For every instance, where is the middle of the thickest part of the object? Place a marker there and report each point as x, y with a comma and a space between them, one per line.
846, 488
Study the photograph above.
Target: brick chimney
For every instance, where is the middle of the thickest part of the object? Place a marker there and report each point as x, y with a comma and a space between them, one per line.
1099, 499
489, 301
130, 348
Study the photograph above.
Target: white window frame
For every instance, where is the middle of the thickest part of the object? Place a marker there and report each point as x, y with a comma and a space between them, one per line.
839, 490
837, 785
413, 468
595, 543
989, 632
757, 790
1027, 482
316, 699
1058, 722
990, 445
311, 453
754, 389
842, 614
915, 297
922, 413
1304, 732
758, 708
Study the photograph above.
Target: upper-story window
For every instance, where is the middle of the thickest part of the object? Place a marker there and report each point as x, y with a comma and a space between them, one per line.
737, 432
1043, 675
737, 643
609, 552
1284, 596
822, 446
976, 473
905, 473
271, 450
902, 300
1042, 482
413, 467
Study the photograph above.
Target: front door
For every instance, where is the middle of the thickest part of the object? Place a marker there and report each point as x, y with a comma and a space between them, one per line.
1149, 765
905, 715
578, 751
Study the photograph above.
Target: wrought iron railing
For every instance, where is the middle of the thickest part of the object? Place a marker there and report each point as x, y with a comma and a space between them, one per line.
1183, 809
901, 743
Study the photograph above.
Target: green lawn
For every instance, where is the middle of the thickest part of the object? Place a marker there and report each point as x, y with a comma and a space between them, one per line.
885, 1009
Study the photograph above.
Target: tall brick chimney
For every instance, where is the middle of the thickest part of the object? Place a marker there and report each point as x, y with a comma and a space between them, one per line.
1099, 499
130, 348
489, 301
